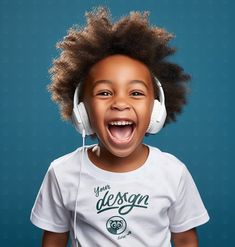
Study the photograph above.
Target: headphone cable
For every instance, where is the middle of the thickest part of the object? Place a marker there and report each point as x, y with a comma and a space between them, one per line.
80, 169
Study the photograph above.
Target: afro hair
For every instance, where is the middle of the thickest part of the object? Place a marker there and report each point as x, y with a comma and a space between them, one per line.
132, 36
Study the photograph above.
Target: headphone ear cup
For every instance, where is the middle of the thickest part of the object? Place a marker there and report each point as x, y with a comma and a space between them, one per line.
158, 117
80, 119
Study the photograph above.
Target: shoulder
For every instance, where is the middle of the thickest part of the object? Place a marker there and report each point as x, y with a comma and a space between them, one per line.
67, 165
64, 172
166, 164
66, 157
167, 159
169, 171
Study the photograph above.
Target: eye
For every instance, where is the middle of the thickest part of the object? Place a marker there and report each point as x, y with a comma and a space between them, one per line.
137, 93
103, 93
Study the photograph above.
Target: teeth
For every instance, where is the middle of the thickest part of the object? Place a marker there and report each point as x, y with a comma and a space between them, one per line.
120, 123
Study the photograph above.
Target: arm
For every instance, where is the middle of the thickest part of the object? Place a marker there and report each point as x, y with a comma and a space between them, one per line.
185, 239
52, 239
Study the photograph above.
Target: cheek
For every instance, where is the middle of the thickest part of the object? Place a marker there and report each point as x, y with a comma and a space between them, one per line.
145, 110
145, 113
95, 113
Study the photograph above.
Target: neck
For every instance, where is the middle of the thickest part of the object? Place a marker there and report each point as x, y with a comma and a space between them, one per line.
108, 161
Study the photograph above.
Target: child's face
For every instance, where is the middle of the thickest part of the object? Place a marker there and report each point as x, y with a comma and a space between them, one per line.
119, 97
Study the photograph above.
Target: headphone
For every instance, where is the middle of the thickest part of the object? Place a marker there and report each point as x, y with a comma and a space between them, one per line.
82, 124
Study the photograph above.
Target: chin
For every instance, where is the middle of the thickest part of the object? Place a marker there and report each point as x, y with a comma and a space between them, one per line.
121, 153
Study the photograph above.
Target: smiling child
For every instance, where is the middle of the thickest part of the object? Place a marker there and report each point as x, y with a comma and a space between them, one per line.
112, 80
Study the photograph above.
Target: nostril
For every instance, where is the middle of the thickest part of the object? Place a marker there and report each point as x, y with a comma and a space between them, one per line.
120, 106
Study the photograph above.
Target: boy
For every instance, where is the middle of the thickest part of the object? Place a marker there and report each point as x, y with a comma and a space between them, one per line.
110, 80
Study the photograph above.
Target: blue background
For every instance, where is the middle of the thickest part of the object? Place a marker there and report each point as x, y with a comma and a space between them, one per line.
32, 134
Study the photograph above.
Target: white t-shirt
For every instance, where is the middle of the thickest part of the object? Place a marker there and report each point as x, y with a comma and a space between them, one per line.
138, 208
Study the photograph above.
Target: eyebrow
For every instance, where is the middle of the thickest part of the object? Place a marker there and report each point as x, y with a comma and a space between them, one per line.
110, 82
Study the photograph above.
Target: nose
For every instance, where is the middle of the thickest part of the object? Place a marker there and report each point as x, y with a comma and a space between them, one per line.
120, 103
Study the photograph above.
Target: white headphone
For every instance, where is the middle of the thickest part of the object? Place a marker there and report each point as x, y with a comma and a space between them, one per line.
82, 124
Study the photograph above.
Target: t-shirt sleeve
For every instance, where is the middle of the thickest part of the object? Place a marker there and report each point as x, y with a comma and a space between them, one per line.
188, 211
48, 211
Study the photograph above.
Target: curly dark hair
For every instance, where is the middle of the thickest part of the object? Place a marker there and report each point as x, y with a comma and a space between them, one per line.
132, 36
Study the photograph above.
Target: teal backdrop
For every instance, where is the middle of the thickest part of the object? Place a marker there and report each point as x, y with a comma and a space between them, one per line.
32, 134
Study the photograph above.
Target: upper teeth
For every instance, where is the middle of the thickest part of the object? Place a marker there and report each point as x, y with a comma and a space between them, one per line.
120, 123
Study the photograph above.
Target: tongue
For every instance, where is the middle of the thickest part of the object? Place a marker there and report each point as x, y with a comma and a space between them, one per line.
120, 132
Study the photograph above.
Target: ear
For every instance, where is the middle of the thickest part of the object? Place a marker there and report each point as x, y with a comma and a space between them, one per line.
158, 117
159, 113
80, 117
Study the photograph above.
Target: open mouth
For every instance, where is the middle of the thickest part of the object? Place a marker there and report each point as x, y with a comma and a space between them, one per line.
121, 131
